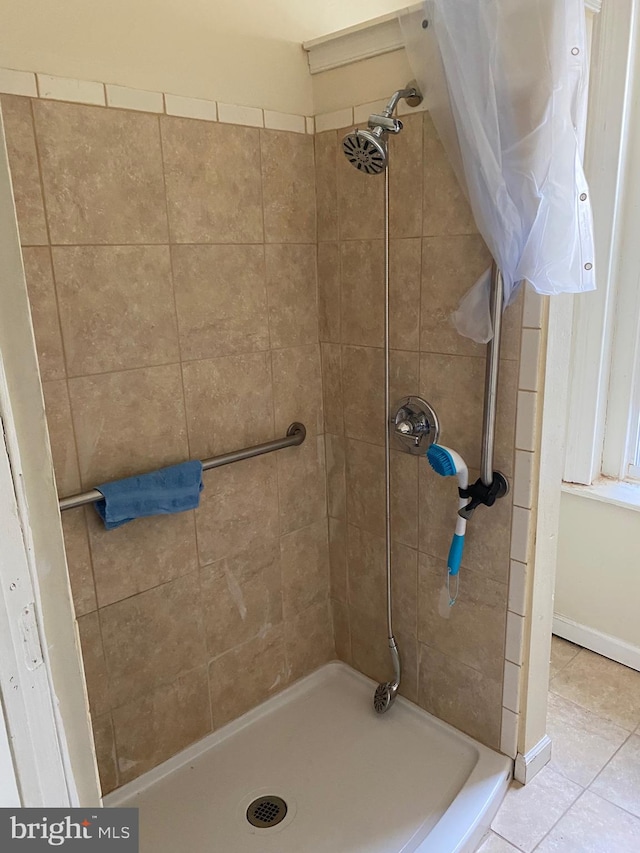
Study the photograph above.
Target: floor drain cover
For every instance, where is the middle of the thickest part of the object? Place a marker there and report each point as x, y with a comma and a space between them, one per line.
266, 812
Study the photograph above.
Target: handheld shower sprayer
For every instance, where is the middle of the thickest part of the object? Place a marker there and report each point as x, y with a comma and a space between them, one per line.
448, 463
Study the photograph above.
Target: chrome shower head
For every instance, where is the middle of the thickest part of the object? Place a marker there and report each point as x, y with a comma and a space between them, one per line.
366, 150
384, 697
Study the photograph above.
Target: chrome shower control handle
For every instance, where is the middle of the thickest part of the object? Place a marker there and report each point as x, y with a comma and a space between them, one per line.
414, 425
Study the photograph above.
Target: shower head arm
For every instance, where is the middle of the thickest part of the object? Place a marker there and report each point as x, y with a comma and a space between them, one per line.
411, 94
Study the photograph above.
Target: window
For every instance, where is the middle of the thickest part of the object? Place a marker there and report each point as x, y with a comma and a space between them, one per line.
604, 400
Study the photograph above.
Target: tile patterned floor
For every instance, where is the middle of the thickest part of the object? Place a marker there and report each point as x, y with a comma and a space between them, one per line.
587, 799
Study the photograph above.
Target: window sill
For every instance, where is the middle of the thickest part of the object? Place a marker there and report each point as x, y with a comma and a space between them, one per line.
616, 492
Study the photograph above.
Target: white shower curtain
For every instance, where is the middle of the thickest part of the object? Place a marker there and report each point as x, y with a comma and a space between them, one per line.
513, 74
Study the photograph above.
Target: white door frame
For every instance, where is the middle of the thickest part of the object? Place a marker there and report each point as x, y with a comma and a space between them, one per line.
574, 327
9, 795
42, 689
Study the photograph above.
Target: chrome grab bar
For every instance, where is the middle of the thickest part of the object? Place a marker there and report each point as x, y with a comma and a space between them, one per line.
296, 434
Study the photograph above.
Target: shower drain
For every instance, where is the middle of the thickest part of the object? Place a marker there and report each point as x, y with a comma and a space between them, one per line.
266, 812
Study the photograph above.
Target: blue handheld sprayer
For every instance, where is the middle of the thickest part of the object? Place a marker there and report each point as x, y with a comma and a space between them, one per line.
448, 463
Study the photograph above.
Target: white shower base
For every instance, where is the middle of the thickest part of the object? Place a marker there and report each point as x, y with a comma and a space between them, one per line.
354, 782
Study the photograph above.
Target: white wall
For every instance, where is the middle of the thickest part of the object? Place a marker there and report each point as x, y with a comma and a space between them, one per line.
598, 574
236, 51
362, 82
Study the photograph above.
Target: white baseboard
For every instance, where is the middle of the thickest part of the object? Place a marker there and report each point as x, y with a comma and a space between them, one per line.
531, 763
603, 644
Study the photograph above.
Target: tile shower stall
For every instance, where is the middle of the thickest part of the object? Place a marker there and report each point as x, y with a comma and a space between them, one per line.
196, 287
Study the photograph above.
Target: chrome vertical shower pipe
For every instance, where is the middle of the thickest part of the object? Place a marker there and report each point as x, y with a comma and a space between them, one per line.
491, 378
395, 656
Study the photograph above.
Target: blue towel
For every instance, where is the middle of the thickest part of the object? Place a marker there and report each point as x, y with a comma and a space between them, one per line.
169, 490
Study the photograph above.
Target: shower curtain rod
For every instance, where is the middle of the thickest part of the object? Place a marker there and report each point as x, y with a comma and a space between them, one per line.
296, 434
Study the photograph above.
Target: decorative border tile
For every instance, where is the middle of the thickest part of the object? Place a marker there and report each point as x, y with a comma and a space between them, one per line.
178, 105
284, 121
134, 99
334, 120
68, 89
33, 85
18, 83
233, 114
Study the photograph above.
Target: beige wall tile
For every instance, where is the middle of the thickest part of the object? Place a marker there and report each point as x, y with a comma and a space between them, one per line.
338, 560
369, 645
151, 638
326, 152
157, 726
360, 201
219, 393
454, 385
404, 376
363, 292
404, 293
336, 482
331, 357
95, 668
262, 662
451, 266
288, 186
405, 179
473, 630
404, 497
105, 745
238, 508
25, 174
363, 390
366, 566
140, 555
409, 655
302, 488
61, 436
297, 388
292, 294
445, 210
305, 568
102, 174
365, 486
76, 544
404, 588
329, 291
212, 171
241, 596
128, 422
460, 695
309, 640
116, 307
341, 630
460, 410
44, 312
221, 300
